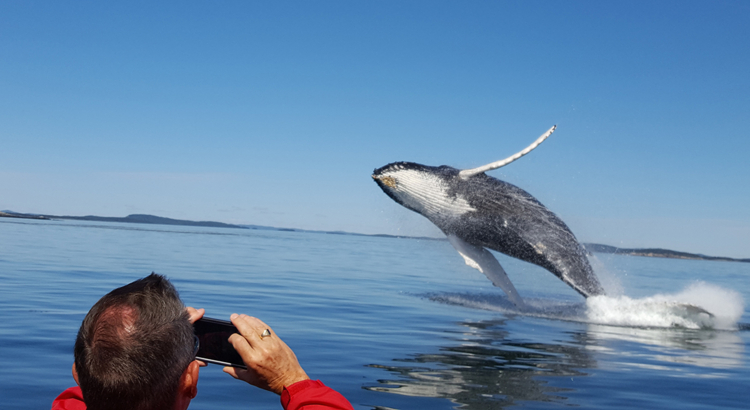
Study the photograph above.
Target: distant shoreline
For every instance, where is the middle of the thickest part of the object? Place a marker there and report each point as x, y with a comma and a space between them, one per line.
135, 218
655, 253
21, 216
158, 220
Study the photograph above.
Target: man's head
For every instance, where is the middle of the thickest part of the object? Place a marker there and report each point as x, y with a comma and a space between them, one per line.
134, 347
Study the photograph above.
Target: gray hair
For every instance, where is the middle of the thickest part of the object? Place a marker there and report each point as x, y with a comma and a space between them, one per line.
133, 347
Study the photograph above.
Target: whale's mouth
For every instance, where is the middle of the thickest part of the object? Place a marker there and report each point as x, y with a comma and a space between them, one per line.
387, 181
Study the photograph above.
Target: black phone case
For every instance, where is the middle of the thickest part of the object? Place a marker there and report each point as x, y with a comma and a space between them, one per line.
213, 336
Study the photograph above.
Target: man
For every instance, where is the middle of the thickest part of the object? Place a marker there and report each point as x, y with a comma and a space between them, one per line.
135, 350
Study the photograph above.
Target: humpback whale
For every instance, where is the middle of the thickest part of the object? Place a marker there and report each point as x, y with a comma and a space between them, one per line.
478, 212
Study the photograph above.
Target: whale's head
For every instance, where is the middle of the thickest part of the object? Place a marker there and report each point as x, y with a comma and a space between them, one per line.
427, 190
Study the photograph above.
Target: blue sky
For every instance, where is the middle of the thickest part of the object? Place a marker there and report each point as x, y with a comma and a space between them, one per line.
276, 113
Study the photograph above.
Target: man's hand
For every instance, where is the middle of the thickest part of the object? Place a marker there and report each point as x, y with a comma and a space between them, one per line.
196, 314
271, 364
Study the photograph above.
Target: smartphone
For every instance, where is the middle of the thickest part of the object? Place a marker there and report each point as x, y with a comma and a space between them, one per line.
213, 338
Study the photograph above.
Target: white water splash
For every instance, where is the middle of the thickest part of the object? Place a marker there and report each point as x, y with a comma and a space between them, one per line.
609, 280
699, 306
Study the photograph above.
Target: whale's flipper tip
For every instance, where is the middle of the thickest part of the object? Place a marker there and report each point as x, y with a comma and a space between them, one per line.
696, 310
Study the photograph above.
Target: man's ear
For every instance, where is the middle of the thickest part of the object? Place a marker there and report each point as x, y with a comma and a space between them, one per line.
188, 387
189, 380
75, 374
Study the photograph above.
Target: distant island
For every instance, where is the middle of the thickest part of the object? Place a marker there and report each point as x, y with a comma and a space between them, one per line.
8, 214
655, 253
135, 218
158, 220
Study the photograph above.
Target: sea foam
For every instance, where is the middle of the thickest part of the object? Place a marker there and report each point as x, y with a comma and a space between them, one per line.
700, 305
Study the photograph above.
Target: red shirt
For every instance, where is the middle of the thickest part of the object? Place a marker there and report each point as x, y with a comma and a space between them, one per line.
313, 395
304, 395
70, 399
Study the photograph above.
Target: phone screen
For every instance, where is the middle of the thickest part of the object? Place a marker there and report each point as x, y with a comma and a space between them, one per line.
213, 336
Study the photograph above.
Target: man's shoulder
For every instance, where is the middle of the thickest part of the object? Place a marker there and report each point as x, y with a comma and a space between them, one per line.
70, 399
312, 395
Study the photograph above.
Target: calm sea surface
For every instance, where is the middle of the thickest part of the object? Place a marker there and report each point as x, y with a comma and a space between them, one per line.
390, 323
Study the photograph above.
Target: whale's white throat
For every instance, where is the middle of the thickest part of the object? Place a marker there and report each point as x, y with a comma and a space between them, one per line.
424, 192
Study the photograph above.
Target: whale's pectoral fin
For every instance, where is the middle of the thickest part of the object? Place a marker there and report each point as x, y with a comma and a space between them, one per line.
482, 260
497, 164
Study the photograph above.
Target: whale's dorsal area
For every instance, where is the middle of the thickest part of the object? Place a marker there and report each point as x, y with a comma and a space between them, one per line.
478, 212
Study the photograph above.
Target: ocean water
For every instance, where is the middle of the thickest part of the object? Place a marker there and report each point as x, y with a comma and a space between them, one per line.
392, 323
